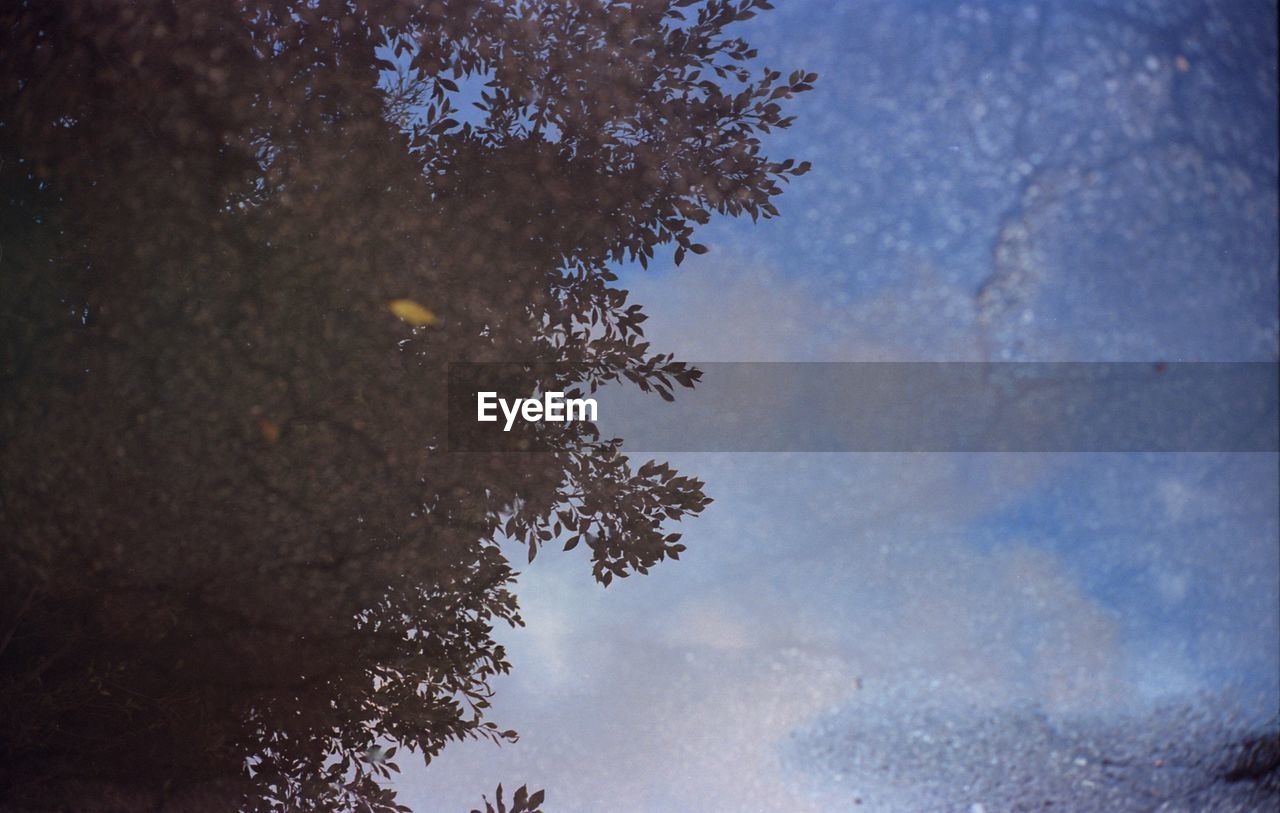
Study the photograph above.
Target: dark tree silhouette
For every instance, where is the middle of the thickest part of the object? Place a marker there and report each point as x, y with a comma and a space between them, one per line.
241, 242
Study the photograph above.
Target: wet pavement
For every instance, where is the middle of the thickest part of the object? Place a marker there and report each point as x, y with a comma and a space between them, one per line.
992, 180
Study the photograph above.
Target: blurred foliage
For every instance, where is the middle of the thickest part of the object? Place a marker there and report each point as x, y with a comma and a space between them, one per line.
522, 801
241, 242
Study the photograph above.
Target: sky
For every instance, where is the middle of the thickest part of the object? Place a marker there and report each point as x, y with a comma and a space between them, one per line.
992, 181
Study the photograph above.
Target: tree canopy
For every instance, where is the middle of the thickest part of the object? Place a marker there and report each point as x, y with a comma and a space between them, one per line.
241, 242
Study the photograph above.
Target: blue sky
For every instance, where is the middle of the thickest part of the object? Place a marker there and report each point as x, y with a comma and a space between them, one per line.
993, 180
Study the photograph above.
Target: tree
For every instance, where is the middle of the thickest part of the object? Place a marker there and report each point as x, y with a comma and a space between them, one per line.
241, 243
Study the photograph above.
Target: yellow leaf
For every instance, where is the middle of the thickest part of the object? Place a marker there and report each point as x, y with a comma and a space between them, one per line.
411, 312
